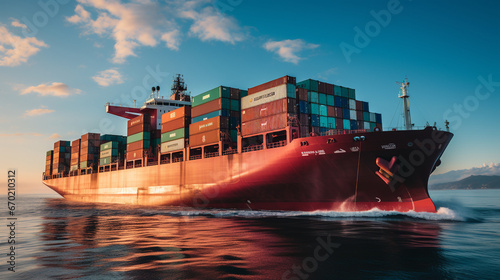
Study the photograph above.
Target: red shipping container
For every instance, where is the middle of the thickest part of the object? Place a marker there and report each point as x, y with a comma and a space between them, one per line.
136, 154
137, 145
359, 114
330, 111
176, 114
285, 105
144, 118
88, 157
322, 87
359, 106
339, 123
206, 108
271, 84
338, 112
60, 143
216, 123
175, 124
143, 127
235, 93
90, 136
206, 138
264, 124
302, 94
76, 143
329, 89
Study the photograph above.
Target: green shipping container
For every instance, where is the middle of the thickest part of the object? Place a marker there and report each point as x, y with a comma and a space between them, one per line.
322, 98
337, 90
138, 137
352, 93
308, 84
107, 160
366, 116
109, 145
108, 153
330, 100
323, 121
323, 111
210, 95
291, 91
314, 108
243, 93
344, 92
347, 124
372, 126
234, 135
49, 153
312, 97
331, 123
175, 134
235, 105
84, 164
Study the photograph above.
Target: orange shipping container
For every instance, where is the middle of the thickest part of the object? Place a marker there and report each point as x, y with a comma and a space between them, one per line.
137, 154
176, 114
143, 127
144, 118
205, 138
90, 136
271, 84
208, 125
175, 124
209, 107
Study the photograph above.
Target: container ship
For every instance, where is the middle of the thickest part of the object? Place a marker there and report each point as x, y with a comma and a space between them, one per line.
281, 145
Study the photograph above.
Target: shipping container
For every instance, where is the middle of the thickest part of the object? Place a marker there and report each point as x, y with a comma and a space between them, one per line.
144, 127
344, 92
266, 96
234, 122
323, 121
313, 97
144, 144
205, 138
74, 167
61, 143
330, 100
243, 93
211, 106
360, 124
337, 90
90, 136
76, 143
322, 110
309, 85
366, 108
50, 153
235, 93
144, 118
339, 112
265, 124
109, 153
175, 134
92, 143
303, 107
330, 111
88, 157
339, 123
372, 126
359, 105
314, 108
321, 87
182, 112
234, 135
171, 146
108, 160
330, 89
89, 150
271, 108
322, 98
378, 118
110, 137
354, 124
352, 114
138, 137
346, 113
174, 124
366, 116
110, 145
136, 154
337, 101
366, 125
352, 104
302, 94
272, 84
331, 123
352, 93
215, 93
304, 120
373, 118
347, 124
359, 115
345, 102
315, 120
216, 123
222, 113
235, 105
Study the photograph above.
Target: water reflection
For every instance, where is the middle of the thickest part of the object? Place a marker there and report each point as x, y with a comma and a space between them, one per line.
130, 243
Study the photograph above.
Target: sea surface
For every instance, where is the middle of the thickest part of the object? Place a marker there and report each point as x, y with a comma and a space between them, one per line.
58, 239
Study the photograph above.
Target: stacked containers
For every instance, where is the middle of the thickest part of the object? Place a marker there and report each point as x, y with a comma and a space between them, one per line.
75, 155
174, 129
223, 102
269, 106
89, 150
138, 137
61, 157
113, 149
48, 162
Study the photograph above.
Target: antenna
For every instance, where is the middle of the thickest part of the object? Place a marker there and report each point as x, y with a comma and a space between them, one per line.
404, 95
158, 91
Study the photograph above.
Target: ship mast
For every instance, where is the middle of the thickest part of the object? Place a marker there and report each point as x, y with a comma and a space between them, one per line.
179, 89
406, 103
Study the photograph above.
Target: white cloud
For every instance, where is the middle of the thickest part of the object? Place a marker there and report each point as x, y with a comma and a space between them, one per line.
54, 89
16, 23
457, 175
108, 77
15, 50
37, 112
139, 23
55, 136
289, 50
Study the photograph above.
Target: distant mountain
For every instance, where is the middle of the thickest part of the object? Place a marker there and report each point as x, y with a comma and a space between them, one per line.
492, 169
471, 182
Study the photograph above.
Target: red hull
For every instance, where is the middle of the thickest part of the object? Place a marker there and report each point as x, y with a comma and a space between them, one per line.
348, 172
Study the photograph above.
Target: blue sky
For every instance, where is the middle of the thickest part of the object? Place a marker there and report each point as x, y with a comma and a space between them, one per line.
61, 61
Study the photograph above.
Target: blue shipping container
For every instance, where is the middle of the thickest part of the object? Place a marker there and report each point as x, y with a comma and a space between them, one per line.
330, 100
314, 108
347, 124
303, 107
331, 122
365, 107
315, 120
346, 113
322, 110
312, 97
323, 121
378, 118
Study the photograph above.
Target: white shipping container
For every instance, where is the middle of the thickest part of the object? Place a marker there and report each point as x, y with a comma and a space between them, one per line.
172, 145
352, 104
373, 117
263, 97
352, 115
366, 125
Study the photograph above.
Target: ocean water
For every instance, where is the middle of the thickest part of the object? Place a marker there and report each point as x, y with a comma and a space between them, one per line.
58, 239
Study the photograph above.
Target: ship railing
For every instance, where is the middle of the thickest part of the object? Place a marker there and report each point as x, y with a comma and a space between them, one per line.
229, 152
276, 144
195, 157
165, 161
177, 159
252, 148
343, 131
151, 163
210, 155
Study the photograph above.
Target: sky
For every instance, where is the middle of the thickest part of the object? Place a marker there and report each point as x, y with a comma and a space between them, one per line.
61, 61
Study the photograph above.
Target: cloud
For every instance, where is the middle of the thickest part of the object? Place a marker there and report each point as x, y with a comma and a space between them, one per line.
16, 23
108, 77
288, 49
15, 50
140, 23
55, 136
54, 89
37, 112
457, 175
